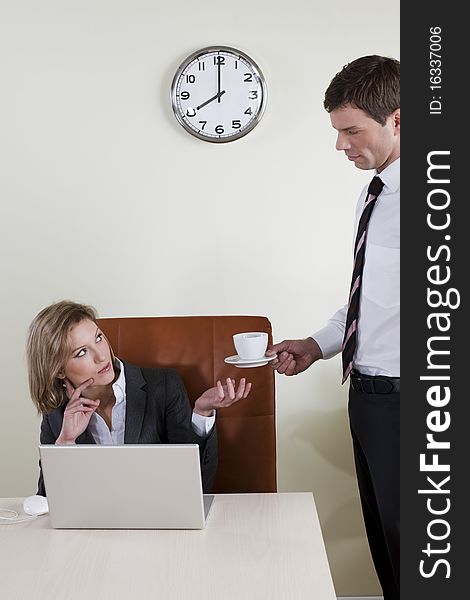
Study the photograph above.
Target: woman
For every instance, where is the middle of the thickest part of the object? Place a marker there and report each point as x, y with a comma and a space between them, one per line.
86, 395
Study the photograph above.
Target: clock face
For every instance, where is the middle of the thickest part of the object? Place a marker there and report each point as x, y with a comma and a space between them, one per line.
218, 94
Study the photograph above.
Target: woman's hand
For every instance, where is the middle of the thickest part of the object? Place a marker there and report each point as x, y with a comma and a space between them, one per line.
221, 396
77, 413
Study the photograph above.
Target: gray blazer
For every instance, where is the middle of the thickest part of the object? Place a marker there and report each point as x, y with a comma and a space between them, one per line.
157, 412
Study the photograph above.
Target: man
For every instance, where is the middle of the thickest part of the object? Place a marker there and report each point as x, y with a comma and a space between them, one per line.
363, 101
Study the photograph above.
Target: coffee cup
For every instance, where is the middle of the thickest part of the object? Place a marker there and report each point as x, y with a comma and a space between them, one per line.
251, 345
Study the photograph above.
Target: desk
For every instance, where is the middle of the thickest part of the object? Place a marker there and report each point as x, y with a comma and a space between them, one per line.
254, 546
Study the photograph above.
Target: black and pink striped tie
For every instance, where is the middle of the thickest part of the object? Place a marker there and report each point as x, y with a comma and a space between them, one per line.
350, 332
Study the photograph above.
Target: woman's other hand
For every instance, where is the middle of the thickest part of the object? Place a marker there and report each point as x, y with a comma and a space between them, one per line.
221, 396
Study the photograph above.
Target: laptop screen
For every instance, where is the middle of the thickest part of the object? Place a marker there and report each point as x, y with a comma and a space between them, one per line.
128, 486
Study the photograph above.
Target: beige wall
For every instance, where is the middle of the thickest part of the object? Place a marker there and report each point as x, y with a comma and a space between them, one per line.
106, 200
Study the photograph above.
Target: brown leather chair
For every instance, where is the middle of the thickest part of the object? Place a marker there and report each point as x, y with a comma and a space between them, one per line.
196, 348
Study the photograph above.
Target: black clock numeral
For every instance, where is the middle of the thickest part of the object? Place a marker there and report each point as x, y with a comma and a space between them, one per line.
236, 124
219, 129
219, 60
248, 77
190, 112
255, 95
190, 78
185, 95
202, 66
203, 123
236, 64
248, 111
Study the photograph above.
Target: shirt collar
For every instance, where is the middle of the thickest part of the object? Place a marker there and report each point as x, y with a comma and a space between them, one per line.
119, 386
391, 176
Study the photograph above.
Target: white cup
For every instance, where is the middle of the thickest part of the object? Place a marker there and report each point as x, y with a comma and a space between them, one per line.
251, 344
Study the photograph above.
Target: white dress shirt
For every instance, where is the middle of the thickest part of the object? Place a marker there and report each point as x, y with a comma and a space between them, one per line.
103, 436
378, 328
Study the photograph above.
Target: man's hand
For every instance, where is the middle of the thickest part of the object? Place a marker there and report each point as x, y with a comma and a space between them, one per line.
294, 356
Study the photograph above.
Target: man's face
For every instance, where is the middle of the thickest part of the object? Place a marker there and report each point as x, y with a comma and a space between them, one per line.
364, 141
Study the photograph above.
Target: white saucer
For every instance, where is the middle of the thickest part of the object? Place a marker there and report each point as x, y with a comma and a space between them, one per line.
245, 363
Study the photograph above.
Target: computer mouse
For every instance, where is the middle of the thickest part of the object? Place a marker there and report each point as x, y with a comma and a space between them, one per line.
35, 505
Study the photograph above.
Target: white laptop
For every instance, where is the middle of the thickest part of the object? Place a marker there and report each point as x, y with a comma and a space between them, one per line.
124, 487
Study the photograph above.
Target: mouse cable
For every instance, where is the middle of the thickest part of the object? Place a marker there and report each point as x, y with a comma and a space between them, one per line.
10, 517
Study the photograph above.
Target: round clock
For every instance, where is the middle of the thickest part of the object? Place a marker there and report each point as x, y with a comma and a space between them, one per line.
218, 94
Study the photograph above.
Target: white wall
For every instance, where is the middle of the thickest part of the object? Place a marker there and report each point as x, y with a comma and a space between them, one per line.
106, 200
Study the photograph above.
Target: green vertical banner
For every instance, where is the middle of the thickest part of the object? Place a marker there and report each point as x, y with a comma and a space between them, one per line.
435, 232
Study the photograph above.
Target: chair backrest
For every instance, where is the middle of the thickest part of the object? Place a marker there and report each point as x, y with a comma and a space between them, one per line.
196, 348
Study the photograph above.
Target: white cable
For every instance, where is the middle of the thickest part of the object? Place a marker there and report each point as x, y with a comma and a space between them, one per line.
11, 512
14, 517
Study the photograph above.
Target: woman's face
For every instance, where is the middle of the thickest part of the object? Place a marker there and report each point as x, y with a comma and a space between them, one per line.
89, 356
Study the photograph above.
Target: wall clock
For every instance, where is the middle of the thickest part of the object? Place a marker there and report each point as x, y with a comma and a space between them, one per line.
218, 94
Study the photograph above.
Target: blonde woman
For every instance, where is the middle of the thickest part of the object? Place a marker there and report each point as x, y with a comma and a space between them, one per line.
87, 395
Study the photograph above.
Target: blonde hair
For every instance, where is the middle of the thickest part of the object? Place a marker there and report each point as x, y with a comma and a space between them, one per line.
47, 350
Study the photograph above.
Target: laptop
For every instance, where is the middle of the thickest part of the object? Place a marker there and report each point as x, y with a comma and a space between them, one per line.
132, 486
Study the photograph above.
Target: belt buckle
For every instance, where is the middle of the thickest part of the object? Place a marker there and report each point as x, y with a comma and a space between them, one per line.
371, 385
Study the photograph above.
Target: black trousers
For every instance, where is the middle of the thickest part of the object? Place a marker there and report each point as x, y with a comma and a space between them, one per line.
375, 427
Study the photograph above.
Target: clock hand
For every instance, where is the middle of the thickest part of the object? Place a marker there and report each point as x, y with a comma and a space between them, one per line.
218, 83
217, 96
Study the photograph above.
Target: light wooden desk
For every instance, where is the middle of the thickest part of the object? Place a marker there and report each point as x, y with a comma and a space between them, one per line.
254, 546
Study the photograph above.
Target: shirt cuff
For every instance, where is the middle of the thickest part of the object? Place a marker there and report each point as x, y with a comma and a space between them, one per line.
329, 341
203, 425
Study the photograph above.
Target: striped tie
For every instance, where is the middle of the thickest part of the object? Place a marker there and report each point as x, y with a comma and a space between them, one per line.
350, 332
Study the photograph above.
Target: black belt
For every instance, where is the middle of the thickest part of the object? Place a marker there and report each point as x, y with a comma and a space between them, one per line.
374, 384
